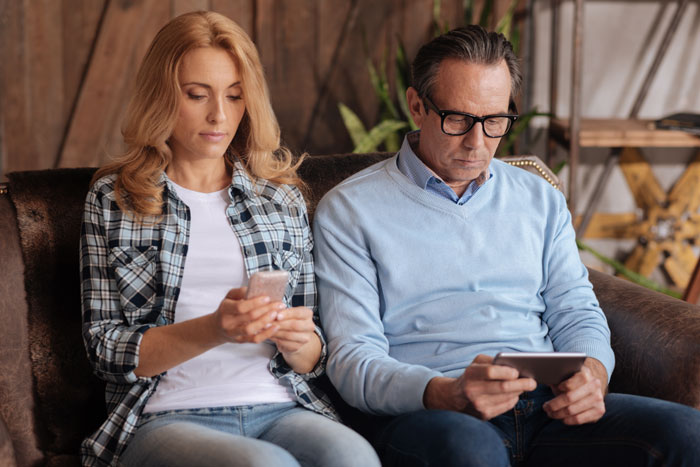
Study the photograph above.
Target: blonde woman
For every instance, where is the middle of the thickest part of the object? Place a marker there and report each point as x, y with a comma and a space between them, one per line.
196, 374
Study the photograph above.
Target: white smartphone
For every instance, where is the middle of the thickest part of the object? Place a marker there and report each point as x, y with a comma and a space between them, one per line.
544, 367
268, 283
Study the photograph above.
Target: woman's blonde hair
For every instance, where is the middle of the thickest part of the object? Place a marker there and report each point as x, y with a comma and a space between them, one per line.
153, 110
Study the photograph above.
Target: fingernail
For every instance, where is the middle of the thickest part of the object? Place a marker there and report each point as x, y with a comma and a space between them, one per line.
273, 315
281, 306
280, 316
264, 299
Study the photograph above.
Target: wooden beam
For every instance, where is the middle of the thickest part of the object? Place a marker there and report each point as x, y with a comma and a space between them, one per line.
101, 98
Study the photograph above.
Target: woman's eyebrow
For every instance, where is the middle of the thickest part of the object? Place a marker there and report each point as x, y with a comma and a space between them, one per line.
204, 85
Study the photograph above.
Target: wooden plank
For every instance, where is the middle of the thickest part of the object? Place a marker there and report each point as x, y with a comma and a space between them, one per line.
623, 133
646, 190
45, 99
609, 225
685, 194
100, 99
80, 25
184, 6
241, 11
15, 116
293, 78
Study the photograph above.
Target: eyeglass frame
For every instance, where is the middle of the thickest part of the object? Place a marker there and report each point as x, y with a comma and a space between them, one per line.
475, 119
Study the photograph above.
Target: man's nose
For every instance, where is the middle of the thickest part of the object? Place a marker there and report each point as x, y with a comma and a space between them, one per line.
475, 137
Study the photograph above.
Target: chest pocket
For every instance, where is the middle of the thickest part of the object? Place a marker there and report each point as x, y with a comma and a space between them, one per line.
135, 273
289, 261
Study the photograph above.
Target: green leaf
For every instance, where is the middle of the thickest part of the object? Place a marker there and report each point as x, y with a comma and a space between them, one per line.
628, 273
505, 24
381, 87
486, 14
377, 135
403, 77
468, 6
353, 124
557, 168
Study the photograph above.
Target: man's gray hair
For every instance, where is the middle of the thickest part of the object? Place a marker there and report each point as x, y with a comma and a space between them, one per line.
472, 44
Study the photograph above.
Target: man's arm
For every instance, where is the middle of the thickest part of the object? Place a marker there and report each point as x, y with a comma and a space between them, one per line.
359, 364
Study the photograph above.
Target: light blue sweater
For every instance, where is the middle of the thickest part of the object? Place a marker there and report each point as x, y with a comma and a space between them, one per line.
414, 286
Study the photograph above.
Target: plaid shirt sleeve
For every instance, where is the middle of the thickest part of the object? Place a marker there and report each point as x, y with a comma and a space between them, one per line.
112, 345
305, 291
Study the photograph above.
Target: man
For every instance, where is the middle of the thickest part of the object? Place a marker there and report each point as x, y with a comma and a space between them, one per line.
433, 261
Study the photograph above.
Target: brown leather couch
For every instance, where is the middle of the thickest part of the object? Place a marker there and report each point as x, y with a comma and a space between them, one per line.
49, 400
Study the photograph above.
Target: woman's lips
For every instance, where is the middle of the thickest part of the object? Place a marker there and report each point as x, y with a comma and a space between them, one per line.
213, 136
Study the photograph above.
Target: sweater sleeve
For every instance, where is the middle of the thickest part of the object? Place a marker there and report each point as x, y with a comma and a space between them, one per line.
359, 364
575, 320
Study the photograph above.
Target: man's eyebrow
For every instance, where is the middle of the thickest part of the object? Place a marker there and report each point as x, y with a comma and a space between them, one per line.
204, 85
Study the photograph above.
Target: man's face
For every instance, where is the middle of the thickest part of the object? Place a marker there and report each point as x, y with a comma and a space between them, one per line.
465, 87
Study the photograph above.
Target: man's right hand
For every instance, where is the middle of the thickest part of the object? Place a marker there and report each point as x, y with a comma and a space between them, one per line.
484, 390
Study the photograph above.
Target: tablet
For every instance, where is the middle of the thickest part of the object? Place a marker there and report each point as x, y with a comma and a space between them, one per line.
544, 367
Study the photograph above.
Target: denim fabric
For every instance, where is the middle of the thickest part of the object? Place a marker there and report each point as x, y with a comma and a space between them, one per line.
635, 431
283, 434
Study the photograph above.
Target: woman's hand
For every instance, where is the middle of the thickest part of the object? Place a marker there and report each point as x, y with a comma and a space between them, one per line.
296, 338
240, 320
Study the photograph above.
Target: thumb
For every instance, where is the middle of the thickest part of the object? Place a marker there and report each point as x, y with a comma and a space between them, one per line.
237, 294
481, 358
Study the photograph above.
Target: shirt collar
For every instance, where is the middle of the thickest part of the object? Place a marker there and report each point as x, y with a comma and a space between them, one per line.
415, 169
240, 180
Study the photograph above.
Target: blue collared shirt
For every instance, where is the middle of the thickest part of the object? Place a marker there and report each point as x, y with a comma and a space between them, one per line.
412, 167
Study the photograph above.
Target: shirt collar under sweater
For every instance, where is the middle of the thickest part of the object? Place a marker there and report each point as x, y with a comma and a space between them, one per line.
413, 167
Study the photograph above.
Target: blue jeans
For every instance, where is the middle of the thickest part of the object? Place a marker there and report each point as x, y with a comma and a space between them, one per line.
283, 434
635, 431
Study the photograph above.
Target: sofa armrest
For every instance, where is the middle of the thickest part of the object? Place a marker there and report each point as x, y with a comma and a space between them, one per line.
656, 339
7, 452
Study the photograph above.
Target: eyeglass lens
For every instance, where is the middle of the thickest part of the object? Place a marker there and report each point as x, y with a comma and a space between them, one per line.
494, 127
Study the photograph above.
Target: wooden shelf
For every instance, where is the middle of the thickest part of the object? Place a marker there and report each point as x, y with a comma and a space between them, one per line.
618, 133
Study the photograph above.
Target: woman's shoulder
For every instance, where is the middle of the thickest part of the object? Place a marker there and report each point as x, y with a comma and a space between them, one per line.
281, 194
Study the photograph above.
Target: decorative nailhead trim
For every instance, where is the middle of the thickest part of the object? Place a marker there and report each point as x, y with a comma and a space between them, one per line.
3, 189
538, 168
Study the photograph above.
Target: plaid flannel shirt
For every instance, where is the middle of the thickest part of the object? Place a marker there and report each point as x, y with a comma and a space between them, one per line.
130, 281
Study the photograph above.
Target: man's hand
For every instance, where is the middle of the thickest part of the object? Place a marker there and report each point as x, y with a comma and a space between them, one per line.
580, 399
484, 390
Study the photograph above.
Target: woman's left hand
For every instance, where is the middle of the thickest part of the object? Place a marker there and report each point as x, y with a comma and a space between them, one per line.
296, 338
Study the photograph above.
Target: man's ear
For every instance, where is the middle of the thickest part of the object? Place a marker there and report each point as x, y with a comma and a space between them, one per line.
415, 106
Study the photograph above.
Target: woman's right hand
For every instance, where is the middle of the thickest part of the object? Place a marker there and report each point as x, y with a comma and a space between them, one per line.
240, 320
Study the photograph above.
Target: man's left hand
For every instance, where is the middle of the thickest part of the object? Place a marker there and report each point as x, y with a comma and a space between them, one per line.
580, 399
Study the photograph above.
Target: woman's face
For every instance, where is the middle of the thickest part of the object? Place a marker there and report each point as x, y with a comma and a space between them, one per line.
211, 105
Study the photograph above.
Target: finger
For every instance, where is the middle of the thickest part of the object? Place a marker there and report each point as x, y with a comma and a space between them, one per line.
263, 335
296, 325
487, 371
481, 358
567, 398
300, 313
241, 328
290, 336
514, 386
589, 416
237, 294
573, 406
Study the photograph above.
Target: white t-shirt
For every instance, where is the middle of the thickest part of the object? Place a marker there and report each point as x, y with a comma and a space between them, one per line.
230, 374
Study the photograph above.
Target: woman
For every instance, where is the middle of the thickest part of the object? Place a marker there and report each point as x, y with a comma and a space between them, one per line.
203, 198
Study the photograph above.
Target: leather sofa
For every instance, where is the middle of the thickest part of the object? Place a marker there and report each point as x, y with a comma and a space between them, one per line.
49, 399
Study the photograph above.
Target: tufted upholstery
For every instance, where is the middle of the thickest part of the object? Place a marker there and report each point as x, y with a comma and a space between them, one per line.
49, 400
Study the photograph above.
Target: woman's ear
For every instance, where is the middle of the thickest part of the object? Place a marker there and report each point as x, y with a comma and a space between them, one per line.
415, 106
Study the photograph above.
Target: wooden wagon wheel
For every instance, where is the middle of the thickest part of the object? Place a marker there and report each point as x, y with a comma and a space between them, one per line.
669, 225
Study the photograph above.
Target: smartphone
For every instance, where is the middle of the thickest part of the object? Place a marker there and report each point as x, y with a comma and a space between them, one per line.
268, 283
544, 367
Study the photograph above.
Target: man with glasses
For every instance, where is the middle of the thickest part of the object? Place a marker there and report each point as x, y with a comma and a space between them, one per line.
433, 261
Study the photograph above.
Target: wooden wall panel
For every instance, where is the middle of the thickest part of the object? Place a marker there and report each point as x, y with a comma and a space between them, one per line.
68, 74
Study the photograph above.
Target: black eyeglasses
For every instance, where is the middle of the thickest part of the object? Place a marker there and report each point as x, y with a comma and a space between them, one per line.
455, 123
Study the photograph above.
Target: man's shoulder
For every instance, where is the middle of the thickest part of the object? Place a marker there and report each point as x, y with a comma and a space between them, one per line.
357, 184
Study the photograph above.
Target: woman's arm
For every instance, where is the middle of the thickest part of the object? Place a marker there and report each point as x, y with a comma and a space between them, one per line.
236, 320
